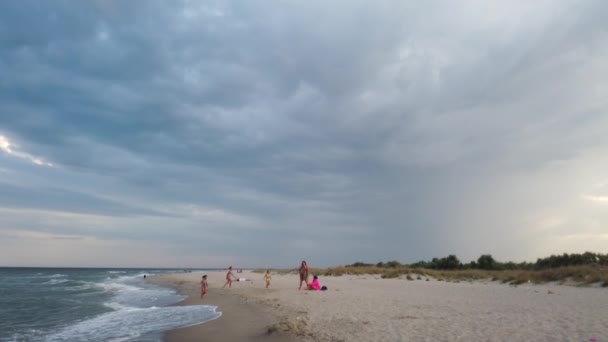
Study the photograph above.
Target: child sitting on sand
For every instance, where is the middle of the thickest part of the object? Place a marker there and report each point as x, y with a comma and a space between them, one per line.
267, 278
314, 285
204, 286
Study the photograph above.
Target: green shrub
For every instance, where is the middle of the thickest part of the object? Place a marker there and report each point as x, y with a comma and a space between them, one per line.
486, 262
360, 264
390, 275
393, 264
517, 281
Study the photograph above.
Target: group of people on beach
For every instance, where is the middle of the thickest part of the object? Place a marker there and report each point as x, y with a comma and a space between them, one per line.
303, 271
314, 285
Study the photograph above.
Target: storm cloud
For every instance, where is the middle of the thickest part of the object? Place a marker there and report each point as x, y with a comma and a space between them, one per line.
189, 133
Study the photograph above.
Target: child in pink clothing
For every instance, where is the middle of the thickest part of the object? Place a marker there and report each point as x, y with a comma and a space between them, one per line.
314, 285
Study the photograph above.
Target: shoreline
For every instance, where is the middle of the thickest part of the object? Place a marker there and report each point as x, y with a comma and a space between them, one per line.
241, 319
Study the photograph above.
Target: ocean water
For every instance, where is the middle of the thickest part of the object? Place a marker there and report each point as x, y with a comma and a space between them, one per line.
70, 304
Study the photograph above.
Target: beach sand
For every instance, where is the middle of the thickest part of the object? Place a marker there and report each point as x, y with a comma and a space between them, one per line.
367, 308
241, 320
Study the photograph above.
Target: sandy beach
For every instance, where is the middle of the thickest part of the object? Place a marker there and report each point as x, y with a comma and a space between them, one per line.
368, 308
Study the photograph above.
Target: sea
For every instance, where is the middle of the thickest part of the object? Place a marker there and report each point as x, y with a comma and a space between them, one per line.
85, 304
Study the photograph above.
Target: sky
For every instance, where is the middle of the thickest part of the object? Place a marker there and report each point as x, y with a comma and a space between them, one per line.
263, 133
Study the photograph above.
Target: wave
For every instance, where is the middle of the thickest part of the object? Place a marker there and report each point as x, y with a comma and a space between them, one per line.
130, 322
55, 281
57, 275
42, 275
81, 285
117, 286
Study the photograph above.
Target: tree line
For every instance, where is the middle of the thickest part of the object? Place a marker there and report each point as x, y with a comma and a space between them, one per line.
487, 262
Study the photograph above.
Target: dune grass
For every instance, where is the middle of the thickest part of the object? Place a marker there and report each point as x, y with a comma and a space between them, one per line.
582, 274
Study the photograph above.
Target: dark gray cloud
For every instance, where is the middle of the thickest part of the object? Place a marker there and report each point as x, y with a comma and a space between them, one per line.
337, 132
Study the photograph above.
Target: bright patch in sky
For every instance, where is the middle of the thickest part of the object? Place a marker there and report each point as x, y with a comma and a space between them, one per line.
596, 198
5, 145
11, 149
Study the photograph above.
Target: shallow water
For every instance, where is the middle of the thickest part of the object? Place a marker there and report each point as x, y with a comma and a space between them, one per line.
70, 304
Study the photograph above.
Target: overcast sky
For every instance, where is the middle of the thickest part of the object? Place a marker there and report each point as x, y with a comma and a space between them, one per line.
263, 133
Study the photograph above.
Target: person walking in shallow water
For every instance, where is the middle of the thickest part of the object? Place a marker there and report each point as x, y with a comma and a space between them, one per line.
303, 274
229, 277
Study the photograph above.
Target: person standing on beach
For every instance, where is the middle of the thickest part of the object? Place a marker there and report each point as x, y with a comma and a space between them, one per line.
267, 278
303, 274
229, 277
204, 286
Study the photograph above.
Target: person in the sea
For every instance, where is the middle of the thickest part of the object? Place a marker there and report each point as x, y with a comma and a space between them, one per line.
229, 277
204, 286
303, 274
314, 285
267, 278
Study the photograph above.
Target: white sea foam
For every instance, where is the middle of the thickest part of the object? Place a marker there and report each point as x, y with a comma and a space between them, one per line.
132, 291
42, 275
129, 323
26, 335
57, 275
55, 281
117, 306
116, 286
85, 285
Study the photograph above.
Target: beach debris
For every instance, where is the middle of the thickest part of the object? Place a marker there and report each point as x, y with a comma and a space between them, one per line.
593, 339
549, 292
299, 327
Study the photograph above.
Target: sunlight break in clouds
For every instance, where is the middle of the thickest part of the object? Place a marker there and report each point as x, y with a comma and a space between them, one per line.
5, 145
10, 149
596, 198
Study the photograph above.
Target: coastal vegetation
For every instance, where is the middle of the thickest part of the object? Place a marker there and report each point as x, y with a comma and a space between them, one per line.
583, 269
